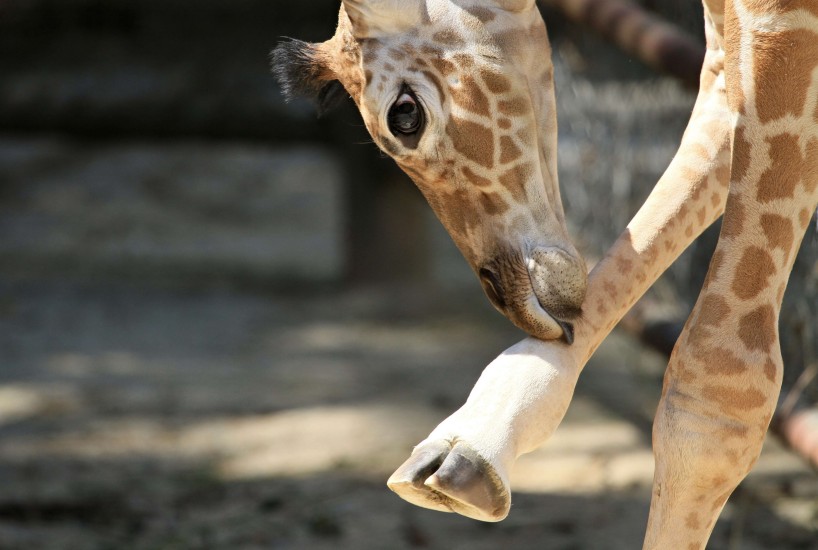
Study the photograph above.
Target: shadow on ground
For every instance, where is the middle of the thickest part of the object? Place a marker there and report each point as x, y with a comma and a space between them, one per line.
157, 418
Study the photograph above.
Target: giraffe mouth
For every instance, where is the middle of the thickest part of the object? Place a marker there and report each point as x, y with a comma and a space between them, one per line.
566, 327
541, 316
540, 292
525, 309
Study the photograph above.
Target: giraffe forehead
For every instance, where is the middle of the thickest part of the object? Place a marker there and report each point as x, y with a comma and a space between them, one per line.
468, 77
449, 82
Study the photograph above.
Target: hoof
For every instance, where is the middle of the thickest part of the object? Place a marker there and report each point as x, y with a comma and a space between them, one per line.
452, 478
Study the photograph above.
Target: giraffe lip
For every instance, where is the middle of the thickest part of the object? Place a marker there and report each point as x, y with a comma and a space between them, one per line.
567, 328
523, 306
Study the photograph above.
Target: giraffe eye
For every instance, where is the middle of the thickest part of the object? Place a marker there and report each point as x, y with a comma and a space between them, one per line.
405, 117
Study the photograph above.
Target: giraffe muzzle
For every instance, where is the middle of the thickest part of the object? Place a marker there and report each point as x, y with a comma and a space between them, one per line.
540, 293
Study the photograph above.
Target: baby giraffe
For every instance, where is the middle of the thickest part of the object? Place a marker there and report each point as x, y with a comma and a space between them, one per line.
460, 94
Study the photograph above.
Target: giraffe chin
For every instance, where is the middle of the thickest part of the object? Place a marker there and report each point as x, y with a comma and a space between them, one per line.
539, 323
452, 477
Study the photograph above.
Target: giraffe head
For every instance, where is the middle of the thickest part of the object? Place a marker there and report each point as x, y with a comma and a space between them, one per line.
460, 93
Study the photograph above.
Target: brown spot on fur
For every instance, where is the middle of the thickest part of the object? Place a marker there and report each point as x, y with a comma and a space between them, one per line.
624, 265
713, 311
697, 337
780, 179
508, 150
495, 82
474, 178
722, 362
770, 370
698, 187
515, 106
515, 180
436, 83
715, 200
733, 222
752, 273
448, 37
741, 155
722, 174
700, 151
778, 231
783, 70
766, 6
717, 481
504, 123
470, 97
736, 432
526, 136
730, 398
757, 328
431, 51
444, 66
463, 61
804, 217
473, 141
396, 54
692, 520
810, 177
493, 204
456, 211
483, 14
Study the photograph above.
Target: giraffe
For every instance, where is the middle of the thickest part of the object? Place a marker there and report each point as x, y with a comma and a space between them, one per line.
454, 94
750, 151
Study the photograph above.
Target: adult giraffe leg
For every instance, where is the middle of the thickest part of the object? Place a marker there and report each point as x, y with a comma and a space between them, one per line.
724, 376
522, 396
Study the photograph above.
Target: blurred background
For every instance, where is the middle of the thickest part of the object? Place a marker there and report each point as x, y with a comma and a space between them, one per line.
224, 322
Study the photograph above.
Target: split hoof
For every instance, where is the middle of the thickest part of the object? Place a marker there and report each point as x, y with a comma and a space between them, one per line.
452, 478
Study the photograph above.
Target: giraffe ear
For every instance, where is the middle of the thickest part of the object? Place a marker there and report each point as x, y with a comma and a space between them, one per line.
376, 18
516, 5
302, 71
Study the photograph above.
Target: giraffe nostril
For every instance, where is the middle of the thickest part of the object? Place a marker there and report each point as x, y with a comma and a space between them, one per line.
492, 288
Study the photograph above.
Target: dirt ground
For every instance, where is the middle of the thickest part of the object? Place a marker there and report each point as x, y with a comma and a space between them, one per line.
147, 417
